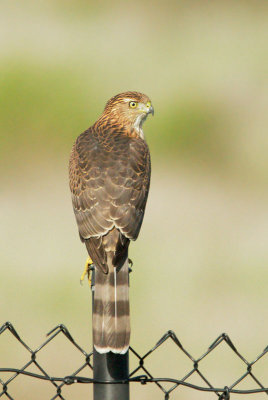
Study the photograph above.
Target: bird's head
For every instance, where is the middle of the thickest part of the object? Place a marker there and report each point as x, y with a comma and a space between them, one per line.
129, 109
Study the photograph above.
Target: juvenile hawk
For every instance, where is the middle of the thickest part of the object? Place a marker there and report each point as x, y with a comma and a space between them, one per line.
109, 181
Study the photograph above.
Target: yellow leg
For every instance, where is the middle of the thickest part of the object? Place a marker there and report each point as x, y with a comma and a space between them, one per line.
88, 263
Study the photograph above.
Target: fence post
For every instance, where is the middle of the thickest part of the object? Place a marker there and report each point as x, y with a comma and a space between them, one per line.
109, 367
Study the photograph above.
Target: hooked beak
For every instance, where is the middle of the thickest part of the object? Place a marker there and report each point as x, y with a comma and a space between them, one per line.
146, 109
151, 110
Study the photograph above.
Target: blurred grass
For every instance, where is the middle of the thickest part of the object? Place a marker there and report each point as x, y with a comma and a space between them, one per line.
203, 65
41, 106
51, 105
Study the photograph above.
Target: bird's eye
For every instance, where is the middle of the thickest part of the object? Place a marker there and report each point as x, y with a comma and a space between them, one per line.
133, 104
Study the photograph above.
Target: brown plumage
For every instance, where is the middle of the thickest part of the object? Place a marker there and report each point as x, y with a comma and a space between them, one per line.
109, 182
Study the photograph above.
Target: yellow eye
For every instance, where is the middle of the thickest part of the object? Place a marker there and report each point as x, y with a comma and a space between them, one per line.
133, 104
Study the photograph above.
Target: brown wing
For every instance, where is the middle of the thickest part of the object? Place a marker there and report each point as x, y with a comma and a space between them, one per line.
109, 181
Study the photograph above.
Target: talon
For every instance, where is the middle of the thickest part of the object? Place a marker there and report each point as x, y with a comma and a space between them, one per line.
130, 265
87, 270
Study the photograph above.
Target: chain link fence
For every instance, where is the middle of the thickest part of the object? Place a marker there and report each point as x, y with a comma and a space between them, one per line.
140, 373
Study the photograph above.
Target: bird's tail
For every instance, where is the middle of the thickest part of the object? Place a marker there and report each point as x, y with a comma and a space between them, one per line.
111, 322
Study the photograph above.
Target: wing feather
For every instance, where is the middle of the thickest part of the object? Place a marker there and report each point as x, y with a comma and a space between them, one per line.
109, 181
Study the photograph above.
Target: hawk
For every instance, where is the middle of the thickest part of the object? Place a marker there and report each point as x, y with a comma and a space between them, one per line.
109, 181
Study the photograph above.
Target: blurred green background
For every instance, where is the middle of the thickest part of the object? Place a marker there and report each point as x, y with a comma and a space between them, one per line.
200, 263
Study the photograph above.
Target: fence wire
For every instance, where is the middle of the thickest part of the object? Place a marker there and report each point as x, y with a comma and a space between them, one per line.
144, 378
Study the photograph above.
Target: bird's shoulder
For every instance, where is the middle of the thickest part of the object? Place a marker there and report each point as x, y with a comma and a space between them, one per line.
95, 144
95, 155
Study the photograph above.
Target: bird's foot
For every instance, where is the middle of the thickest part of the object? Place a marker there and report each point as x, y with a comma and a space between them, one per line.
87, 270
130, 265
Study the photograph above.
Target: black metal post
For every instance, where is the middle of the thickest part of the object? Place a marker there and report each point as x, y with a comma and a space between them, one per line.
109, 367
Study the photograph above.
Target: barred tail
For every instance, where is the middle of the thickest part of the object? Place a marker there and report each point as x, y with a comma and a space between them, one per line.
111, 322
